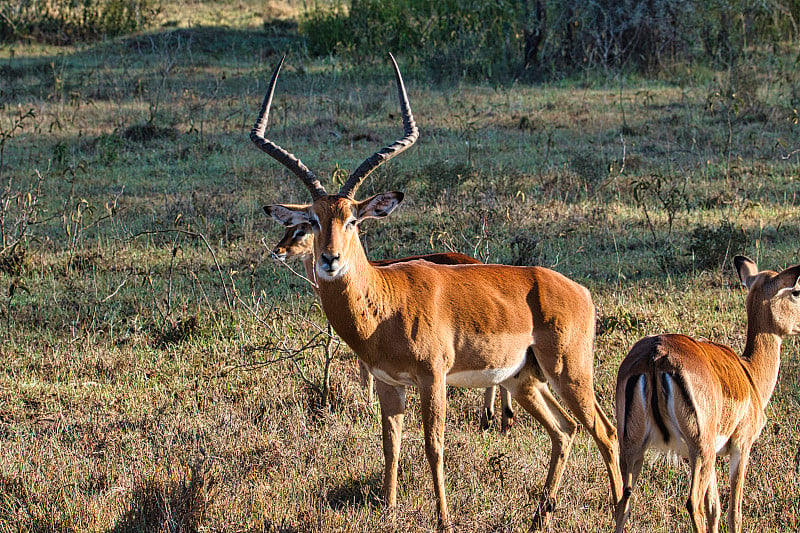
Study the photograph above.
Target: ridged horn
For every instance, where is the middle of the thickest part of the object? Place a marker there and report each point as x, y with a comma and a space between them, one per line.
410, 132
284, 157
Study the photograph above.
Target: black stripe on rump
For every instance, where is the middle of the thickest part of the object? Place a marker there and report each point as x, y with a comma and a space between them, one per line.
630, 385
659, 420
678, 378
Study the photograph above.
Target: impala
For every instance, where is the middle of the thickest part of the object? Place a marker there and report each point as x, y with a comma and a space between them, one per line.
699, 399
426, 325
298, 241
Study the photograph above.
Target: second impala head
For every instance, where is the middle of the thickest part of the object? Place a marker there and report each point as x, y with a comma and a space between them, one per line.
334, 221
297, 241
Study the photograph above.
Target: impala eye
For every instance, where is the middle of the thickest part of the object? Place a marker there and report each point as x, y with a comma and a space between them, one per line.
314, 223
796, 293
351, 224
300, 233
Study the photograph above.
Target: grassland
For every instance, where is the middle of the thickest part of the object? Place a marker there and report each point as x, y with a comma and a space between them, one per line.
158, 372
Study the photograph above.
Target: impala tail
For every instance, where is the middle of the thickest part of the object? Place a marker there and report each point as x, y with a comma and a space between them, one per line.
656, 398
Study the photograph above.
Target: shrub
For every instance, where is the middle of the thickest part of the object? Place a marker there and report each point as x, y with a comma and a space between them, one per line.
470, 38
712, 246
68, 21
505, 38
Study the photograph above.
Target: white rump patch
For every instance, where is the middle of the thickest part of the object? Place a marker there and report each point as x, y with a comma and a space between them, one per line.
677, 443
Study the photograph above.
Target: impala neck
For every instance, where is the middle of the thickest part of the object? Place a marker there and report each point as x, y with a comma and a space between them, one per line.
762, 358
308, 265
357, 302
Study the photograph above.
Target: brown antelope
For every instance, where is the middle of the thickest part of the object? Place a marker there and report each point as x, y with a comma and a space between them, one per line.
699, 399
298, 241
426, 325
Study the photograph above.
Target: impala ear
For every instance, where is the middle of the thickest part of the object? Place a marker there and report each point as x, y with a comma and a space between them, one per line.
287, 215
746, 269
790, 278
379, 205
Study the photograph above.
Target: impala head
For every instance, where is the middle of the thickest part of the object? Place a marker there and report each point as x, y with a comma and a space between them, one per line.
334, 218
772, 296
297, 241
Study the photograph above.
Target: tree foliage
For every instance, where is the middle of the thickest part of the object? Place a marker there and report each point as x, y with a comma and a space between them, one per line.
545, 38
69, 21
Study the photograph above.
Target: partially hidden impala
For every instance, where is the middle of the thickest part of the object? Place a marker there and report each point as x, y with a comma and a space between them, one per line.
426, 325
298, 241
699, 399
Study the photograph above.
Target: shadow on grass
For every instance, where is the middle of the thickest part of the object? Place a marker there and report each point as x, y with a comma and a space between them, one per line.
356, 492
169, 504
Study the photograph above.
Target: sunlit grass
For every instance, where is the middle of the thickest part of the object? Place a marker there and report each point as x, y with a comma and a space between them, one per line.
141, 339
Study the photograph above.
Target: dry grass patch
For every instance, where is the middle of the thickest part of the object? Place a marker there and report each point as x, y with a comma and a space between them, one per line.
152, 370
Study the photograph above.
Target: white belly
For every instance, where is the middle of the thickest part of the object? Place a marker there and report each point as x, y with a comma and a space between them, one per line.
401, 379
484, 378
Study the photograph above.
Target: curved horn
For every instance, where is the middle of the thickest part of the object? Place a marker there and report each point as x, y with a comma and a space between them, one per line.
410, 131
284, 157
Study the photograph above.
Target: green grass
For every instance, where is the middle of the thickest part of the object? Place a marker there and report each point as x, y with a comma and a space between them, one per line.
134, 394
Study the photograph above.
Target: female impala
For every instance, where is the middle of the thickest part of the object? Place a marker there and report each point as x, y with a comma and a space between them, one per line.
426, 325
699, 399
298, 241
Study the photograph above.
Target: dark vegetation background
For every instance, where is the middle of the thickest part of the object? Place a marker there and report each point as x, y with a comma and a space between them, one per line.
159, 373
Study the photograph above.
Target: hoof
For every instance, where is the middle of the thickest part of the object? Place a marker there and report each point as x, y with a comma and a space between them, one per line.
543, 513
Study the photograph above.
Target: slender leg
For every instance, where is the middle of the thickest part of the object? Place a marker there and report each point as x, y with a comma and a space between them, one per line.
738, 469
393, 406
508, 410
535, 397
633, 443
701, 467
573, 383
433, 404
578, 395
488, 407
712, 504
366, 380
631, 459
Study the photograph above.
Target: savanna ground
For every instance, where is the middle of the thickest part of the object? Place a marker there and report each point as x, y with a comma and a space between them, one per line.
159, 372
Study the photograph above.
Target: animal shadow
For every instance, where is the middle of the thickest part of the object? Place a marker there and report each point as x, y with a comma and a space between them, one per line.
356, 492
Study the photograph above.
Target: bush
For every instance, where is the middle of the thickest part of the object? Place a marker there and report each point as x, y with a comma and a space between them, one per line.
470, 38
712, 246
69, 21
537, 38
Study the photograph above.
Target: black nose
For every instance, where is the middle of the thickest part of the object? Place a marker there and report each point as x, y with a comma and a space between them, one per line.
279, 254
329, 262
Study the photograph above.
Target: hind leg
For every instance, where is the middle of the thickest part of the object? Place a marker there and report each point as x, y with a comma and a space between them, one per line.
701, 467
633, 441
367, 380
712, 505
575, 388
535, 397
508, 410
488, 407
566, 359
631, 458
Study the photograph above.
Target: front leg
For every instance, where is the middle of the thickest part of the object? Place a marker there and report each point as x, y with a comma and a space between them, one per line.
433, 403
393, 407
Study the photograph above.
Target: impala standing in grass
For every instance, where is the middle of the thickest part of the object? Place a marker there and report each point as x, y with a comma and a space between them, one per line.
425, 325
298, 241
699, 399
